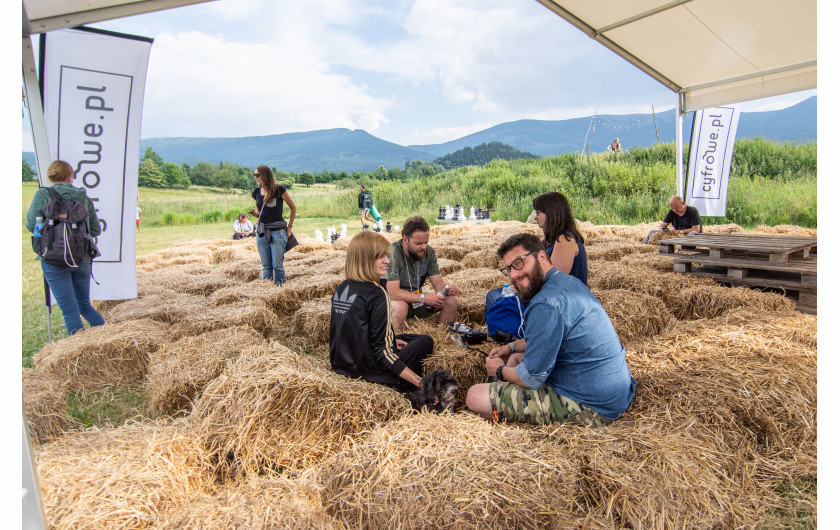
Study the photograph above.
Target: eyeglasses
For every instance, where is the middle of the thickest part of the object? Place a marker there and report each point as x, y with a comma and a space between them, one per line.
517, 264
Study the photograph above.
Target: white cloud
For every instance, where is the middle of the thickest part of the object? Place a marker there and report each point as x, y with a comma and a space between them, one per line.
205, 85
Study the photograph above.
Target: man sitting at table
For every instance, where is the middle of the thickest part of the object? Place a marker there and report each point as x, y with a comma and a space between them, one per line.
684, 218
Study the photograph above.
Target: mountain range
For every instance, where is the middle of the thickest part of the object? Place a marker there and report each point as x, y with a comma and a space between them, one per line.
357, 150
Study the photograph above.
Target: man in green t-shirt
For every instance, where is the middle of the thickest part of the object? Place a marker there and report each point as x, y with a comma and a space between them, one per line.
412, 262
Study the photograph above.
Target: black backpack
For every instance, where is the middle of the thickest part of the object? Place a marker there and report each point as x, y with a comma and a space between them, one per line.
65, 240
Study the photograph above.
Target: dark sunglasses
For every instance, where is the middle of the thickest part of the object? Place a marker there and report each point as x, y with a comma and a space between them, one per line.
517, 264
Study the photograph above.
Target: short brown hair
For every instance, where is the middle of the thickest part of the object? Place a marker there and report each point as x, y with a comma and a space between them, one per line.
364, 249
529, 242
414, 224
60, 171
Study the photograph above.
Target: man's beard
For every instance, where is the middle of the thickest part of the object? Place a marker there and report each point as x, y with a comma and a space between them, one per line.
412, 255
536, 279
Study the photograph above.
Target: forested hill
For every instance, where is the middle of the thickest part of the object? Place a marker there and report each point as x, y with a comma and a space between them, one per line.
481, 154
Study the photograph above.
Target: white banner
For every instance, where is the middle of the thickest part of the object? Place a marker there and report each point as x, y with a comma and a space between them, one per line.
93, 85
712, 140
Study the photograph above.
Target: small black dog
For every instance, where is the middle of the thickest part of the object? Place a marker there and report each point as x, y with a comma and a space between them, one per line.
437, 392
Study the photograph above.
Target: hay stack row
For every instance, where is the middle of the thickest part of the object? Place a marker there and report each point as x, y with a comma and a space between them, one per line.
248, 427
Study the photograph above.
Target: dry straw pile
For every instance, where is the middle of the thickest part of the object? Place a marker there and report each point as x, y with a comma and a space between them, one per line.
721, 433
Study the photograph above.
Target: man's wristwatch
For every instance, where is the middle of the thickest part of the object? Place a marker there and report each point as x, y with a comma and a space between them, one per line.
512, 347
422, 298
499, 375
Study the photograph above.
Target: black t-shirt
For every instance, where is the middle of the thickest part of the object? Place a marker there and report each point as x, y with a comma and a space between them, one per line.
273, 211
690, 218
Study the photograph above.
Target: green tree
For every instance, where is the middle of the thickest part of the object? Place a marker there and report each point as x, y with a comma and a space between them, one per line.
28, 172
156, 158
150, 175
307, 178
204, 174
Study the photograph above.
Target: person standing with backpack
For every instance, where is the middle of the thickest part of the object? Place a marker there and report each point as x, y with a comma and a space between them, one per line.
365, 204
65, 249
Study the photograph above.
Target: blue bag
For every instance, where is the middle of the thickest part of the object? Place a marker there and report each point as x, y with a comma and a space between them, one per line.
504, 313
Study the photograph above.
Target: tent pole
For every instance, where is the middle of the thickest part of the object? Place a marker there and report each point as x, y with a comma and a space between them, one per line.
679, 149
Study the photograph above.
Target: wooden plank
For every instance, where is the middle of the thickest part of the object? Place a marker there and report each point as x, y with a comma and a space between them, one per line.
750, 281
792, 266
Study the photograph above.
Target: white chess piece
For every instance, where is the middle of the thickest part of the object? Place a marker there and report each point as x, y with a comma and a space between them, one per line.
472, 213
319, 236
448, 213
343, 229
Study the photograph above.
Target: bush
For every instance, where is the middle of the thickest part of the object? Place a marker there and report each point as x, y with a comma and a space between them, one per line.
211, 216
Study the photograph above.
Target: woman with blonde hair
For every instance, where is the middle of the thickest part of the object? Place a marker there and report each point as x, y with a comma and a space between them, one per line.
362, 339
70, 285
273, 231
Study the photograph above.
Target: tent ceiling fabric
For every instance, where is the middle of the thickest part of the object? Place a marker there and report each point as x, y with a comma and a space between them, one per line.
715, 51
40, 16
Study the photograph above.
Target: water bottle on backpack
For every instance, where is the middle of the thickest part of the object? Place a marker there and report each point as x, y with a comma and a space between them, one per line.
507, 290
39, 224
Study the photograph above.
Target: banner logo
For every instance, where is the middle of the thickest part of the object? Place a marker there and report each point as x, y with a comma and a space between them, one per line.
712, 141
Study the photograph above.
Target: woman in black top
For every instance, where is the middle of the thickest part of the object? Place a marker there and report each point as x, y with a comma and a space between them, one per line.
362, 339
563, 240
272, 230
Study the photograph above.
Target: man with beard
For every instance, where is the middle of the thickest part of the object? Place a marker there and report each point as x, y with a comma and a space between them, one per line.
412, 261
570, 366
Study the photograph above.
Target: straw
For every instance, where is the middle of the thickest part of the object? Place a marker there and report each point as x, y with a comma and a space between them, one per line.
45, 406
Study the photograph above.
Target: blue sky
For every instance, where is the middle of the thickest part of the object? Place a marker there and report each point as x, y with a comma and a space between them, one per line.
407, 71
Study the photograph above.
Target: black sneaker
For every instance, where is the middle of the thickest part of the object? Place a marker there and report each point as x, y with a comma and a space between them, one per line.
364, 227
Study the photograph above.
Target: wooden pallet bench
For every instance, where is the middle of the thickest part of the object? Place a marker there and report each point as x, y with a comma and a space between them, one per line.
783, 263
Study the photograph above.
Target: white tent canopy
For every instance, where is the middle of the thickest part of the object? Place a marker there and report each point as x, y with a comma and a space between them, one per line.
40, 16
715, 52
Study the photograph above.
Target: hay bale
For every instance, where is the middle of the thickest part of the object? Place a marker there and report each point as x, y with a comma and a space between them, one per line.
634, 315
126, 477
149, 282
103, 306
115, 354
309, 245
514, 228
259, 289
785, 230
656, 237
471, 308
612, 275
447, 266
314, 257
164, 307
730, 228
178, 372
710, 301
484, 258
277, 409
650, 260
243, 250
615, 251
253, 313
258, 502
312, 320
171, 279
449, 471
174, 256
292, 294
246, 270
45, 406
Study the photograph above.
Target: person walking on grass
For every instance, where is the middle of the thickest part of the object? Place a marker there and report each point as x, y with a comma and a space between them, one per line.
273, 231
70, 285
365, 204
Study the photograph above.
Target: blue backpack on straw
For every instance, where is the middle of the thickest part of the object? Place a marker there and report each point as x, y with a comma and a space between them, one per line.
504, 313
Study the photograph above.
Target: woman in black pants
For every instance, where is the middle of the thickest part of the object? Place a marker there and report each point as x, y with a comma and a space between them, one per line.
362, 339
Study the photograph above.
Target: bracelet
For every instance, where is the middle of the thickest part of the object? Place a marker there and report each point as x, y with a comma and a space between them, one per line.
499, 375
422, 298
512, 347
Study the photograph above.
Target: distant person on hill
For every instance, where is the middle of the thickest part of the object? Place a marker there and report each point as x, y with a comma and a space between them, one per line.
139, 213
362, 340
615, 146
365, 204
242, 227
412, 261
684, 218
272, 230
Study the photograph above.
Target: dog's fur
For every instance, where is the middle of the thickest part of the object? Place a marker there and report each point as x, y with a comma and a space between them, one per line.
437, 392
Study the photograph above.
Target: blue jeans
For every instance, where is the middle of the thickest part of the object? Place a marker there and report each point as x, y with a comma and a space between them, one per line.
272, 254
71, 289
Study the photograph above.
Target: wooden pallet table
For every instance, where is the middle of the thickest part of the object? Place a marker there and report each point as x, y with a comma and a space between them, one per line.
784, 263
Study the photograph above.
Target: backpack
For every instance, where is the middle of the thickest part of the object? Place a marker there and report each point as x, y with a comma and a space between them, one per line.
65, 240
504, 313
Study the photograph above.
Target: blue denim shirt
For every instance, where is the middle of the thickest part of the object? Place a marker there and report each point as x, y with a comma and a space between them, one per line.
573, 347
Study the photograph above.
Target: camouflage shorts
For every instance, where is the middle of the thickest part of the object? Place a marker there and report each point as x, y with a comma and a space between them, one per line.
541, 406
